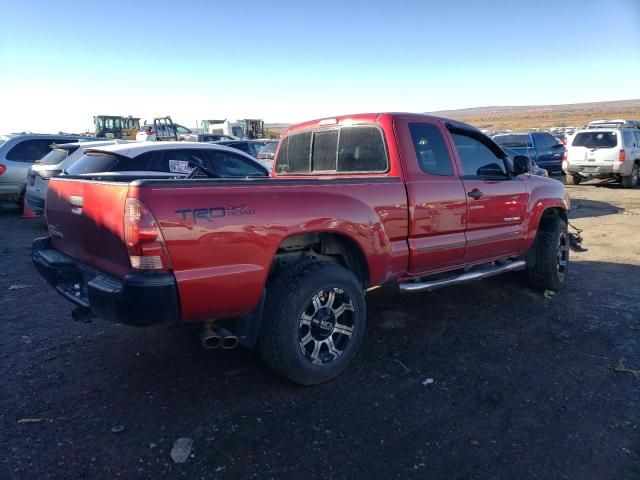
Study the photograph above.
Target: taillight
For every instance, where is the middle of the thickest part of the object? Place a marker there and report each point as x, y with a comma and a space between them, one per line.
565, 155
622, 155
145, 244
3, 169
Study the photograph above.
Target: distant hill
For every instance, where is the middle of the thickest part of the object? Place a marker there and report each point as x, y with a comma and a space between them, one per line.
531, 116
541, 116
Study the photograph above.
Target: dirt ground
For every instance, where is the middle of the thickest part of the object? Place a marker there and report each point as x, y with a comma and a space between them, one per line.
523, 385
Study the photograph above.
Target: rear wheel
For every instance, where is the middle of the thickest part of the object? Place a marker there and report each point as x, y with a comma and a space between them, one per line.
573, 179
631, 181
313, 323
551, 260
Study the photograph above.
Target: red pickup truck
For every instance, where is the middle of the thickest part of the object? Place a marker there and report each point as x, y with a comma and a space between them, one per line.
284, 262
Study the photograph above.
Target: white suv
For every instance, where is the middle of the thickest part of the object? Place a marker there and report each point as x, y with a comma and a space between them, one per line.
604, 153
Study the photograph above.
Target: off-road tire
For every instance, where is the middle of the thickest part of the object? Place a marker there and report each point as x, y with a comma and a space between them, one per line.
632, 180
544, 270
286, 300
573, 179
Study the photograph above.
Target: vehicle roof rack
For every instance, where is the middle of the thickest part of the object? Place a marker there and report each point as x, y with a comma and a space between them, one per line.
617, 123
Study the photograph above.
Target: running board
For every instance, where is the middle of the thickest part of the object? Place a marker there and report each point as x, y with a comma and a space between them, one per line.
478, 274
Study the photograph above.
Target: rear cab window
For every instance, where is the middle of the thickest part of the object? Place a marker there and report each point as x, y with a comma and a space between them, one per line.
596, 139
345, 149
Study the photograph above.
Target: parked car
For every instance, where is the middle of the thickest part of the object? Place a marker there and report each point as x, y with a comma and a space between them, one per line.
247, 146
284, 263
53, 164
175, 159
268, 150
605, 153
541, 147
18, 153
205, 137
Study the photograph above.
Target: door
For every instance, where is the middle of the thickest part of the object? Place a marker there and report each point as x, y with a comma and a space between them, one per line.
436, 196
496, 201
549, 152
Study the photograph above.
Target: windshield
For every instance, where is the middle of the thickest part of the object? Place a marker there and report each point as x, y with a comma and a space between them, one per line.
91, 163
595, 140
57, 155
513, 141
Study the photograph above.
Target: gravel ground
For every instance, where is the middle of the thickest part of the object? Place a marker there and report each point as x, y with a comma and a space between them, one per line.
523, 385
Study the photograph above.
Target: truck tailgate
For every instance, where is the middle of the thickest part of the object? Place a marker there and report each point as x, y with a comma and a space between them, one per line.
86, 222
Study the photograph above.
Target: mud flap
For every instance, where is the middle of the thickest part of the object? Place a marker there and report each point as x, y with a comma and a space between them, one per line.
247, 328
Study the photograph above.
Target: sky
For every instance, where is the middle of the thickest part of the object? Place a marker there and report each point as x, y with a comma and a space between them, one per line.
287, 61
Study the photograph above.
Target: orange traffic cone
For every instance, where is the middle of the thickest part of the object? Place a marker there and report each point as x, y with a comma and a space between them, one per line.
27, 212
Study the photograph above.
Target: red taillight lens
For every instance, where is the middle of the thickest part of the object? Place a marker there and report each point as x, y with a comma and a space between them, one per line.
145, 244
565, 155
622, 156
3, 169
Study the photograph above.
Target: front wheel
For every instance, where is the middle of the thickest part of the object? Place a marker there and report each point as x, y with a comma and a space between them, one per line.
313, 322
551, 256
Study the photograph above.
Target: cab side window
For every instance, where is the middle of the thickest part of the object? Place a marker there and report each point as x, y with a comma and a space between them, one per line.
477, 159
431, 151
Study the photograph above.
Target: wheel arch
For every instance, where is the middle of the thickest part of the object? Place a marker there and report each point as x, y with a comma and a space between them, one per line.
324, 246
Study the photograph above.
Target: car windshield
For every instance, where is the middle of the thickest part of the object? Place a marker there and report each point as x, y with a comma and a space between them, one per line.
92, 163
513, 141
57, 155
595, 140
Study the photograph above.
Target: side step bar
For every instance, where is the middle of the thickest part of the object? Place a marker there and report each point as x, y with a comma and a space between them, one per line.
470, 276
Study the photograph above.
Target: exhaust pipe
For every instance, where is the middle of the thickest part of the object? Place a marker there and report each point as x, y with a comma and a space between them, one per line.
477, 274
228, 339
209, 338
212, 338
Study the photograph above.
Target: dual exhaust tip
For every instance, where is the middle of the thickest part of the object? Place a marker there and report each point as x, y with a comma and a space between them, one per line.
218, 337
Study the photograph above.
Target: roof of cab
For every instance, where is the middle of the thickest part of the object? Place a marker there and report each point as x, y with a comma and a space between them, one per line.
370, 118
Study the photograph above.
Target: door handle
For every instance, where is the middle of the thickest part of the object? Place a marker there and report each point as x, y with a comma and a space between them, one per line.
475, 194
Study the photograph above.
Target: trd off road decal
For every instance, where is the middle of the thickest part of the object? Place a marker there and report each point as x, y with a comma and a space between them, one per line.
212, 213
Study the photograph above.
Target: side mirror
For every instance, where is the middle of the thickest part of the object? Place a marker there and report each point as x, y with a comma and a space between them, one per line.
521, 164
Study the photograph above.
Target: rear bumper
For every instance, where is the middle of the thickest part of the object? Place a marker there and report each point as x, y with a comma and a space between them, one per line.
10, 191
139, 299
613, 168
34, 203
